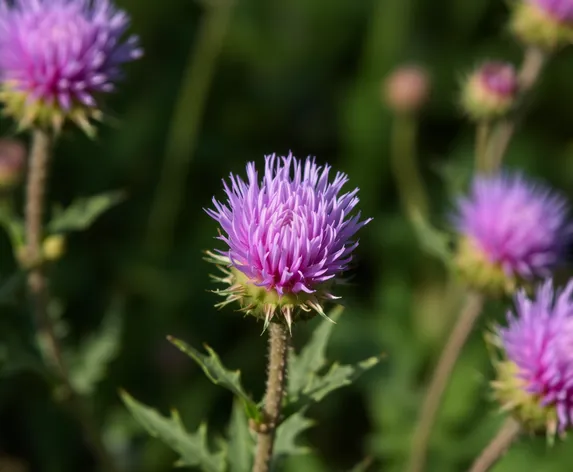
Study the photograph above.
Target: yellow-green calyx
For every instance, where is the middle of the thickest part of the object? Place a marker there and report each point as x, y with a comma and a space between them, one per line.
511, 393
263, 303
536, 27
29, 112
478, 272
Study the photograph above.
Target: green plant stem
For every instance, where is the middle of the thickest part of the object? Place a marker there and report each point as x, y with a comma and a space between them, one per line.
457, 339
495, 450
38, 290
533, 63
482, 136
276, 381
405, 167
186, 124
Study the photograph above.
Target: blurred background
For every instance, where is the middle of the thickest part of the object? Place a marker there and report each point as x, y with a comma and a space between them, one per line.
222, 84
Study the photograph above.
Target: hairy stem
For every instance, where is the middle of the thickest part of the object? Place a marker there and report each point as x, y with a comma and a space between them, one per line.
38, 290
495, 450
446, 363
276, 381
185, 126
529, 73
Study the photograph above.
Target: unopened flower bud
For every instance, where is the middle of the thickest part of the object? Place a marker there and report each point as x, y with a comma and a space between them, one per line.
54, 247
490, 91
406, 89
547, 24
12, 160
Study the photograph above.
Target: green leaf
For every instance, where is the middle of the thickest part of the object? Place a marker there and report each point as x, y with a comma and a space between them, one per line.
338, 376
13, 226
312, 357
82, 213
192, 447
88, 366
241, 441
287, 434
219, 375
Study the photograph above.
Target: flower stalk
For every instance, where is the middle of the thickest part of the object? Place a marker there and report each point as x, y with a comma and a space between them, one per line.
276, 381
38, 290
495, 450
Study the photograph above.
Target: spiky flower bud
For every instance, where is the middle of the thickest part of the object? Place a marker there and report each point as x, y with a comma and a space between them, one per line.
58, 56
511, 230
535, 372
288, 237
490, 91
547, 24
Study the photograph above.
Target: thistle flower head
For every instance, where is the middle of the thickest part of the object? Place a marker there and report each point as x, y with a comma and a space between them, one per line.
58, 56
535, 377
511, 229
406, 89
490, 91
544, 23
288, 236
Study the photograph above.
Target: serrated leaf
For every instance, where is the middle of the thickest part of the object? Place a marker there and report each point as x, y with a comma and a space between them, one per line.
219, 375
83, 212
88, 366
312, 357
338, 376
241, 441
436, 243
192, 447
287, 435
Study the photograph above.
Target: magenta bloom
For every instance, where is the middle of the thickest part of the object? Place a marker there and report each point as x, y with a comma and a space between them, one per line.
539, 341
289, 233
561, 10
499, 78
60, 54
515, 224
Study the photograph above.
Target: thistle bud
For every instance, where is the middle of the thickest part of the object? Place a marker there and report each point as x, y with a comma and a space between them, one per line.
490, 91
511, 231
547, 24
12, 161
406, 89
54, 247
288, 237
536, 366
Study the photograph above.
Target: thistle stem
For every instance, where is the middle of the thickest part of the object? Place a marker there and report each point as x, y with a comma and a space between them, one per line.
533, 64
495, 450
276, 381
405, 166
186, 123
439, 382
38, 290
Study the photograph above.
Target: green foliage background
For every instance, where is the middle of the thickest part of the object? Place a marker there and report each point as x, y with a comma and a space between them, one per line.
300, 75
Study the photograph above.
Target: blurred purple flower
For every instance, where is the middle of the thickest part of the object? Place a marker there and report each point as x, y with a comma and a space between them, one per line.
289, 234
499, 78
561, 10
518, 225
56, 56
539, 341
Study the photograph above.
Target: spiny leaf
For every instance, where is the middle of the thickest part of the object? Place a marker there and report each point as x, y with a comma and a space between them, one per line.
241, 441
312, 357
83, 212
192, 447
338, 376
219, 375
88, 366
287, 433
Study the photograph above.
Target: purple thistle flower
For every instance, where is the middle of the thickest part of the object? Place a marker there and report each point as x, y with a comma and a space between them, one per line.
517, 225
57, 56
289, 234
560, 10
499, 78
539, 342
